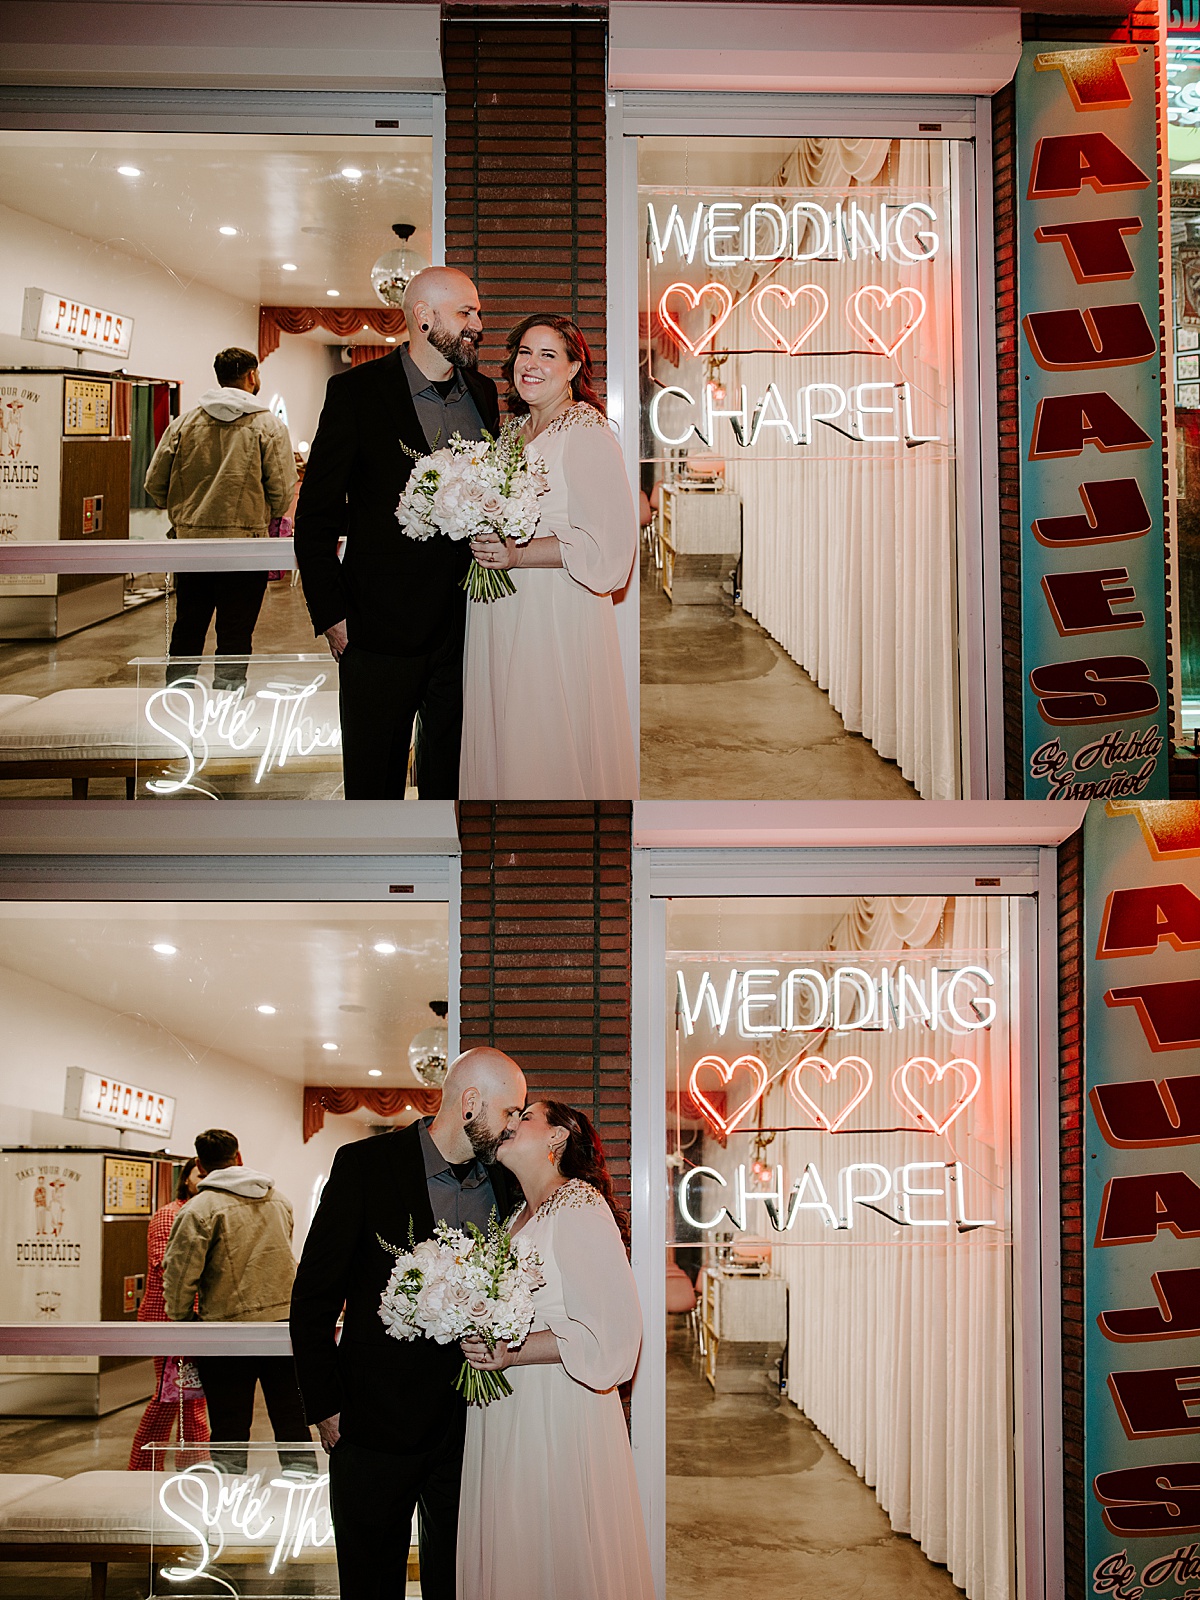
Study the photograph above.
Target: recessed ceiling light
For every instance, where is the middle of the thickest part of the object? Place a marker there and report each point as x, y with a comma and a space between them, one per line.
130, 172
374, 1072
384, 948
329, 1045
290, 266
366, 328
265, 1011
351, 172
333, 293
227, 231
164, 949
390, 339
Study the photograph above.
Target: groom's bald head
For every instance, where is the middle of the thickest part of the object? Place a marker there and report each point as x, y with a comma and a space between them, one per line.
482, 1097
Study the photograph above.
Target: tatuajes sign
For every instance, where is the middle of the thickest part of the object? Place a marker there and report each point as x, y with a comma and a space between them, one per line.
1142, 1199
1092, 567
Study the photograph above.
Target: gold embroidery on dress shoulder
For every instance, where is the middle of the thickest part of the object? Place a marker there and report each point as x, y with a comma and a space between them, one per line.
581, 415
573, 1194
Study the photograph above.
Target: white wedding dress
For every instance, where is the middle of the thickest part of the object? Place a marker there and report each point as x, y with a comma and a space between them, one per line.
545, 714
550, 1507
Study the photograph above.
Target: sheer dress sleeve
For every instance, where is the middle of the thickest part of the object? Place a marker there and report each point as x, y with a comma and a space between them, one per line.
599, 541
600, 1333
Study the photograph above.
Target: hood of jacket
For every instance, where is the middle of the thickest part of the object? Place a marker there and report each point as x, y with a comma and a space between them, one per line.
242, 1181
227, 405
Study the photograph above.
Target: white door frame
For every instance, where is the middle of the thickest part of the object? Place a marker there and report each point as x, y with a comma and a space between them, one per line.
1026, 871
962, 118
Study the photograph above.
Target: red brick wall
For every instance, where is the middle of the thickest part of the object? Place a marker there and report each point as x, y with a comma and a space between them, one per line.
1070, 1066
546, 949
525, 154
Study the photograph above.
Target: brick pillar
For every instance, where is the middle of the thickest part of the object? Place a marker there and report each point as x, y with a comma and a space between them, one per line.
525, 156
1070, 1068
546, 950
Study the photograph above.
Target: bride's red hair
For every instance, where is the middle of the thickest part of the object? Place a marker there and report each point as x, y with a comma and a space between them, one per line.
583, 1156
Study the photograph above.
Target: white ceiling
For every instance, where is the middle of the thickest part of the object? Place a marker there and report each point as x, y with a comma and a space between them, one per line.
737, 926
284, 194
314, 963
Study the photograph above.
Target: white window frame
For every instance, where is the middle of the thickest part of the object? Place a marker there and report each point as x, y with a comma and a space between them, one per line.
966, 119
1026, 871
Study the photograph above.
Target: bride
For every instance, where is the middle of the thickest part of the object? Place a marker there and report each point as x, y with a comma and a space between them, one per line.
546, 715
549, 1507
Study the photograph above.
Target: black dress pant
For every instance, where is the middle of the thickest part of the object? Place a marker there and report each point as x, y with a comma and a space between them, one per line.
372, 1494
229, 1384
236, 599
380, 699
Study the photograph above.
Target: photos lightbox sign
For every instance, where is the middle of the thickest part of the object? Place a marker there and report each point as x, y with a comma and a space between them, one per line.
1093, 609
97, 1097
1141, 1164
59, 319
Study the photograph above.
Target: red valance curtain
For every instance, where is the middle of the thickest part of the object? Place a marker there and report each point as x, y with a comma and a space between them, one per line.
340, 1102
273, 321
362, 353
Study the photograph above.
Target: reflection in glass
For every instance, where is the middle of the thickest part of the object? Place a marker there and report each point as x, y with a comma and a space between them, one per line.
840, 1075
799, 358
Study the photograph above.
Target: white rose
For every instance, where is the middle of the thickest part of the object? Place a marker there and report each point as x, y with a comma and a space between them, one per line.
425, 1255
481, 1312
492, 505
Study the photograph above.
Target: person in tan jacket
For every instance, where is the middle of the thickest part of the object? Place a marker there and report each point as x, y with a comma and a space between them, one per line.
222, 471
230, 1257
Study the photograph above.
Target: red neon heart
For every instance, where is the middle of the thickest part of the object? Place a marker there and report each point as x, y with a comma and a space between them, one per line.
933, 1073
788, 297
726, 1071
829, 1071
885, 299
694, 296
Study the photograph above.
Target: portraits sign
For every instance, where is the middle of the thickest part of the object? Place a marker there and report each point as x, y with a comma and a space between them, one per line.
1142, 1198
30, 470
1093, 605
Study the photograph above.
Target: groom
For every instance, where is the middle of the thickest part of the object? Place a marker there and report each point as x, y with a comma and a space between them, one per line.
392, 608
387, 1410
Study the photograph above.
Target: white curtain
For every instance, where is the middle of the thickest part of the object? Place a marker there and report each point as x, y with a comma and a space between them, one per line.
849, 549
898, 1349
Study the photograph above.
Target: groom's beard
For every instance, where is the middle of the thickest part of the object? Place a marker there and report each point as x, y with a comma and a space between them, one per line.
461, 350
484, 1142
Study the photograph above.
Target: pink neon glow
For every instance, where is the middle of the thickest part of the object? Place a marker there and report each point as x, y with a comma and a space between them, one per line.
932, 1072
829, 1071
883, 300
788, 297
724, 299
725, 1071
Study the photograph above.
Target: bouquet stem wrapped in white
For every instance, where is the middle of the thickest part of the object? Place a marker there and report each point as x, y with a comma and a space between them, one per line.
474, 486
464, 1283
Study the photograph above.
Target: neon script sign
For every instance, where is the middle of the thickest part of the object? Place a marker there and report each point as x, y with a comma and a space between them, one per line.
729, 232
285, 1516
859, 1184
195, 720
849, 999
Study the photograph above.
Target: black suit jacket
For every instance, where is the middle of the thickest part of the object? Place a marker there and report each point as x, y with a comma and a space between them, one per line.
393, 1395
399, 596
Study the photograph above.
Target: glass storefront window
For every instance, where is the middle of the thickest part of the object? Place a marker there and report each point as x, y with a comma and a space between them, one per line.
839, 1107
129, 260
799, 332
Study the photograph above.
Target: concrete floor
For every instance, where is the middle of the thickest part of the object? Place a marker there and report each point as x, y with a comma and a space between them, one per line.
728, 715
99, 656
759, 1503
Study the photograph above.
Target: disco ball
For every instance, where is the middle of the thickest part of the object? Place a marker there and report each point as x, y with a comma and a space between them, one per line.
427, 1056
391, 274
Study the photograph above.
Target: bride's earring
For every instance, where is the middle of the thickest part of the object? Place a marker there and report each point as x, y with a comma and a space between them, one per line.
550, 1157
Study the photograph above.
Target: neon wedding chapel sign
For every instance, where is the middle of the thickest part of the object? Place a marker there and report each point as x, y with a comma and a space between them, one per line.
1093, 622
927, 1092
688, 235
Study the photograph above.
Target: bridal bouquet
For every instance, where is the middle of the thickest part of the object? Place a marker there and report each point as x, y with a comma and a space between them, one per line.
464, 1283
471, 487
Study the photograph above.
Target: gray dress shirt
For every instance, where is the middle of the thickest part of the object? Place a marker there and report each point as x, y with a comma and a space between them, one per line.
456, 1200
441, 418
